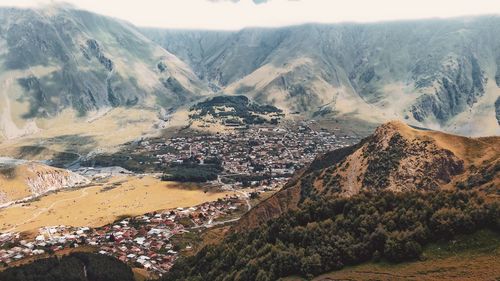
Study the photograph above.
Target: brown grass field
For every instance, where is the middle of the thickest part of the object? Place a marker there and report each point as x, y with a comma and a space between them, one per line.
102, 204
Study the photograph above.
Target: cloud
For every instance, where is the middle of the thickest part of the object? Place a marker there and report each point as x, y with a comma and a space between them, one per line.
237, 14
215, 1
260, 1
236, 1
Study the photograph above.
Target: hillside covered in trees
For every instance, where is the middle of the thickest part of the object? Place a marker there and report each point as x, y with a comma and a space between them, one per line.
74, 267
235, 110
333, 232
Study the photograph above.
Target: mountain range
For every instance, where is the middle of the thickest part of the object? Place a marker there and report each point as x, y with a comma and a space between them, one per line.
76, 85
442, 74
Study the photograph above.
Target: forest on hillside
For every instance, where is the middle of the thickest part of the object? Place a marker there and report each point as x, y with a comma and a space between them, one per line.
332, 232
238, 107
73, 267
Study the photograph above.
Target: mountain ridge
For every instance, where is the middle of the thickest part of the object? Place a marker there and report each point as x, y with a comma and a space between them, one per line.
397, 158
437, 73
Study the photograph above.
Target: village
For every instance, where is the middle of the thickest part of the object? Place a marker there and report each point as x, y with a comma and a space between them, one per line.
143, 241
260, 159
252, 155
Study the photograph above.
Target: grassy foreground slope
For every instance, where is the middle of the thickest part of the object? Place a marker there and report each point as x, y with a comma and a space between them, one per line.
387, 198
468, 257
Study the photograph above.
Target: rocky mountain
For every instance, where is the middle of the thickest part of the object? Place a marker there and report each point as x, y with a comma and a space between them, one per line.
442, 74
397, 158
56, 58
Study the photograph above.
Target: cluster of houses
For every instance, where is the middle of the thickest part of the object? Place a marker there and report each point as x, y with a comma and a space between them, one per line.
272, 151
143, 241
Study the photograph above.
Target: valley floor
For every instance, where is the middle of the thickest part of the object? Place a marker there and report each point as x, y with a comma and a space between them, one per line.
101, 204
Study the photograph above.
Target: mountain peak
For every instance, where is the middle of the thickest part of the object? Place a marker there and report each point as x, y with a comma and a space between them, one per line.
387, 130
394, 125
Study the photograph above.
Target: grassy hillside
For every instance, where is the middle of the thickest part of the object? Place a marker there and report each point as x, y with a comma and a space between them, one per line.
467, 257
385, 199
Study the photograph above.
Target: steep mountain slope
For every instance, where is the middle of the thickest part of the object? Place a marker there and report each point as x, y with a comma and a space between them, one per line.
396, 158
439, 73
55, 59
331, 233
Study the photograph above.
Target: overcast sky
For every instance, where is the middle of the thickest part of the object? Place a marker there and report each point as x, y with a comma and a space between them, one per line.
236, 14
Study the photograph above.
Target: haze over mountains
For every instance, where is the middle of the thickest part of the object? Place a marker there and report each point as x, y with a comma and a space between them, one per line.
438, 73
435, 73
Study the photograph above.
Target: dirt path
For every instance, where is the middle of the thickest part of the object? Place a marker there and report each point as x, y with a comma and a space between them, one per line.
246, 196
352, 179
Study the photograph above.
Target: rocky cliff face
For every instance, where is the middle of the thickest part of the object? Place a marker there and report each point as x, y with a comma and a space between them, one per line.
397, 158
429, 72
24, 180
41, 180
